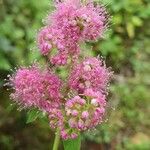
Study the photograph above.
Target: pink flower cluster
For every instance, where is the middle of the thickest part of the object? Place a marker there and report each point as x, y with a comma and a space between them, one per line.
83, 112
78, 102
86, 112
36, 88
69, 25
91, 73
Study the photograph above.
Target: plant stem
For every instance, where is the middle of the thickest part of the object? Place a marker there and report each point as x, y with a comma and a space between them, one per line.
57, 140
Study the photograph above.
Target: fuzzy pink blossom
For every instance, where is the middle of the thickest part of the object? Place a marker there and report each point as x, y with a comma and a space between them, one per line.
91, 73
64, 19
88, 115
27, 86
62, 34
57, 45
80, 114
94, 20
36, 88
89, 19
51, 44
69, 25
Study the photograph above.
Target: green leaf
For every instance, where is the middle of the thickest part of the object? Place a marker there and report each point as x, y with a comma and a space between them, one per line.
130, 29
10, 107
137, 21
4, 64
33, 115
72, 144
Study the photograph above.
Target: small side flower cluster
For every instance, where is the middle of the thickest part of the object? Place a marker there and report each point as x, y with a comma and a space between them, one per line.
91, 73
87, 111
84, 112
36, 88
78, 103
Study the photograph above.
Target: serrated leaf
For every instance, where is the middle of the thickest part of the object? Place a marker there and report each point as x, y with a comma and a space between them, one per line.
72, 144
33, 115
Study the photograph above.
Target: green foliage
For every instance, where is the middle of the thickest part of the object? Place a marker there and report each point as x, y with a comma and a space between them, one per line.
33, 114
72, 144
143, 146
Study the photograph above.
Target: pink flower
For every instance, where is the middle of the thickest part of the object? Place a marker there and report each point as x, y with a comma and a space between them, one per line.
64, 134
89, 19
88, 115
91, 73
70, 24
85, 114
56, 44
27, 85
94, 19
37, 88
74, 113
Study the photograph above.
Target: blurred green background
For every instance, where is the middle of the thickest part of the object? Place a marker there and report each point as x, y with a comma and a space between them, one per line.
126, 48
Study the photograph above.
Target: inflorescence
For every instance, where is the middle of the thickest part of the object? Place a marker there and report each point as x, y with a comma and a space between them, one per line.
78, 103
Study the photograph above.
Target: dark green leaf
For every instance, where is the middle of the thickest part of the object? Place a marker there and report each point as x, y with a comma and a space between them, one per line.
72, 144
